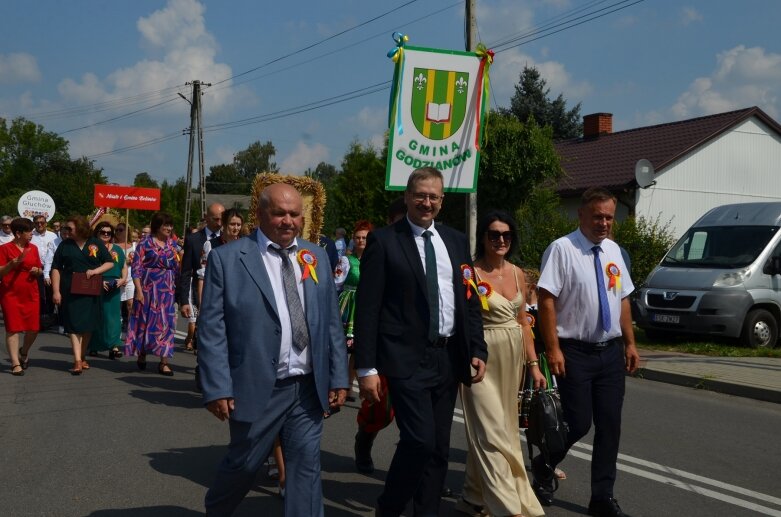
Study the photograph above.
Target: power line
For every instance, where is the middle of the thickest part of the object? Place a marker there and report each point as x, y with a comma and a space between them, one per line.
118, 117
583, 19
315, 44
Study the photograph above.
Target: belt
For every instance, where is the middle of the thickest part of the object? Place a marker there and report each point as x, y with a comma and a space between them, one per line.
287, 381
587, 346
440, 343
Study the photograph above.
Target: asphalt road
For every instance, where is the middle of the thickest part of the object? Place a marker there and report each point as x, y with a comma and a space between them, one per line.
120, 442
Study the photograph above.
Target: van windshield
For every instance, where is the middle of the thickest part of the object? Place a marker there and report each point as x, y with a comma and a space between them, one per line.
721, 247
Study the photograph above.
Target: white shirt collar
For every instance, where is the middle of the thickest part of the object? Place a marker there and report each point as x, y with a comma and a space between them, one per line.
417, 231
264, 242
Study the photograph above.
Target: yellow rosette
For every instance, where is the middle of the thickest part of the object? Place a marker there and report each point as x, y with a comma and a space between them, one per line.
308, 262
613, 275
93, 250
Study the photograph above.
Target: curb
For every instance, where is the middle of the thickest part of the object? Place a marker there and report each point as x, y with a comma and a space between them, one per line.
738, 390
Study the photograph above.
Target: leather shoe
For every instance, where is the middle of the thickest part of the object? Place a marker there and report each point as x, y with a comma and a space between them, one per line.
605, 508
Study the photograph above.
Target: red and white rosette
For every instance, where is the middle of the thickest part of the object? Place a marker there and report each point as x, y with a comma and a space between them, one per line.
484, 291
308, 263
468, 274
613, 275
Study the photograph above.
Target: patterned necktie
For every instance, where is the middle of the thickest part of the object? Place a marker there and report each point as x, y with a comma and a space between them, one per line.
294, 307
604, 308
432, 285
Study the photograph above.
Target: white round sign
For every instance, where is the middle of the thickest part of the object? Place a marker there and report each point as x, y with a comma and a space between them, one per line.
35, 203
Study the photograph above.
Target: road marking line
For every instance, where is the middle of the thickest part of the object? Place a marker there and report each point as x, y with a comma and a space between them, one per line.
693, 477
689, 487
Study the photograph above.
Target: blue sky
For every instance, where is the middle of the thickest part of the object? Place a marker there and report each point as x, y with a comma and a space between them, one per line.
67, 65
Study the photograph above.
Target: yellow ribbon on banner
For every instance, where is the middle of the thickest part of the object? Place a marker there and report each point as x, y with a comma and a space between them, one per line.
486, 57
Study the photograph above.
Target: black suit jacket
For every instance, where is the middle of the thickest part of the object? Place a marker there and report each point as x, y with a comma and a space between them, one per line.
392, 314
191, 262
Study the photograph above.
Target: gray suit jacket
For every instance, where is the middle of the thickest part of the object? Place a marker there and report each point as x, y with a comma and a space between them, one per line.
239, 338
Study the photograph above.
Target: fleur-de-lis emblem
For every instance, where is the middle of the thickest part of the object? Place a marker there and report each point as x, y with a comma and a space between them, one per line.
461, 84
420, 80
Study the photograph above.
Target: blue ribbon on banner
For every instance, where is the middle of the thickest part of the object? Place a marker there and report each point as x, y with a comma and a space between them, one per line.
397, 55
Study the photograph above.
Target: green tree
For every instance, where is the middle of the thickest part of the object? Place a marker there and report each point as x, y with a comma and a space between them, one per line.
324, 173
646, 241
254, 159
515, 160
531, 99
225, 179
540, 222
33, 158
358, 192
144, 179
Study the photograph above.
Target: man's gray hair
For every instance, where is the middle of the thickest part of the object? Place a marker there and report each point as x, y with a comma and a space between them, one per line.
6, 219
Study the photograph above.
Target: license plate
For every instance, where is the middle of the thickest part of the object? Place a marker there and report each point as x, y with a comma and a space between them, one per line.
667, 318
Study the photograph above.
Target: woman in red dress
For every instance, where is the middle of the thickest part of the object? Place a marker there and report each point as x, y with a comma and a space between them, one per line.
20, 267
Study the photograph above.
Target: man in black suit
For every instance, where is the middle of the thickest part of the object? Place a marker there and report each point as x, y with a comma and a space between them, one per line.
415, 325
186, 292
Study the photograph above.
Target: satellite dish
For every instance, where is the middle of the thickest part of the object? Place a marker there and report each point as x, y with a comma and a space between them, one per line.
644, 173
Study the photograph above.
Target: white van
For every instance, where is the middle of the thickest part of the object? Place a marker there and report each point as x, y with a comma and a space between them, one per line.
722, 278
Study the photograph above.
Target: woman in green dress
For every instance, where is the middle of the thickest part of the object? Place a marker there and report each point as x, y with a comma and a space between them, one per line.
81, 314
109, 335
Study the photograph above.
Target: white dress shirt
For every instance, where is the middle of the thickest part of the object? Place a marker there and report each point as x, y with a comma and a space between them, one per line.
291, 361
44, 241
5, 238
568, 274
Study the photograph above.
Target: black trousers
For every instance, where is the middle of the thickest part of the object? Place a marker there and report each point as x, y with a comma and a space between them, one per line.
423, 404
593, 389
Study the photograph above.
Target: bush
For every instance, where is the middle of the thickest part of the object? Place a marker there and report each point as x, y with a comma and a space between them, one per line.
540, 222
646, 241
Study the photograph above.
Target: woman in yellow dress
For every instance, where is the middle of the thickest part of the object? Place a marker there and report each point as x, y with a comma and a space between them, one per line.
496, 482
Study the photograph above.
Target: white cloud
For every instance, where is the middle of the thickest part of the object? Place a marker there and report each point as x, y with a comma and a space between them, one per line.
18, 67
744, 77
303, 157
370, 118
188, 52
507, 72
690, 15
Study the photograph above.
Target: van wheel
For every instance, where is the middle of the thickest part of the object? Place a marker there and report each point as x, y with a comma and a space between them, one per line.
760, 329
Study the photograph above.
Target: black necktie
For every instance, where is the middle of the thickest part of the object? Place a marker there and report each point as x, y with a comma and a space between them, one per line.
432, 285
294, 307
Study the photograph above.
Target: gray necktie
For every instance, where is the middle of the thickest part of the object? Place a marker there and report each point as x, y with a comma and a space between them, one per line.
294, 307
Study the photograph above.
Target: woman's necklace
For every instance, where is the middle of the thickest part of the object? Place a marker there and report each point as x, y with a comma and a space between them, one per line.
498, 273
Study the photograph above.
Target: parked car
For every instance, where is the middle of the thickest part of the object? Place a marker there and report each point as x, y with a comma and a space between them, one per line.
722, 278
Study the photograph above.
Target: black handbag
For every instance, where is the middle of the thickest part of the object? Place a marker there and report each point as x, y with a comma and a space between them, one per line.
546, 428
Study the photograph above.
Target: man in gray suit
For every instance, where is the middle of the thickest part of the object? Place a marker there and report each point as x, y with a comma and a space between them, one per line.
271, 353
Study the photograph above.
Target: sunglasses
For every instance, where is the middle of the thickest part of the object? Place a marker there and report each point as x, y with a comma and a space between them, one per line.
106, 232
495, 235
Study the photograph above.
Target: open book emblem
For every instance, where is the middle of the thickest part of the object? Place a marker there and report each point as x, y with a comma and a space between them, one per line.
439, 102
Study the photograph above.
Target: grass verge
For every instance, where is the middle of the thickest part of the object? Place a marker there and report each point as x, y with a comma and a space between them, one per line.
688, 345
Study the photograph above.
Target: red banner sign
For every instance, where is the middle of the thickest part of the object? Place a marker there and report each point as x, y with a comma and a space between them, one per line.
138, 198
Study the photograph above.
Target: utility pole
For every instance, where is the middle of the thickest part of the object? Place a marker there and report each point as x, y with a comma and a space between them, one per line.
470, 20
196, 127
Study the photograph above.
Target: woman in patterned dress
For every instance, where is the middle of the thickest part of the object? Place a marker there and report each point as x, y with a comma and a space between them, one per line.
108, 337
155, 267
81, 314
20, 267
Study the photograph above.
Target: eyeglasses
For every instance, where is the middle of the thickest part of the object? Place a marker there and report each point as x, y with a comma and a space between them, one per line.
106, 232
495, 235
421, 197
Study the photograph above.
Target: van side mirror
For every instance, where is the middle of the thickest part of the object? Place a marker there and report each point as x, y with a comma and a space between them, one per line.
773, 266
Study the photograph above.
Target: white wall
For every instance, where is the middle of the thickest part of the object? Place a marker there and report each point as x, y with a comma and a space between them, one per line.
740, 166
